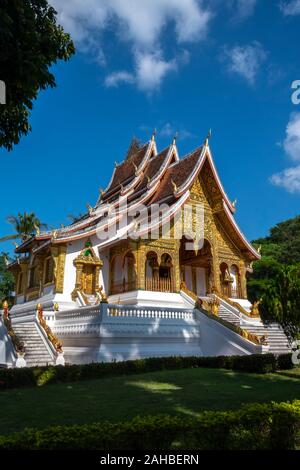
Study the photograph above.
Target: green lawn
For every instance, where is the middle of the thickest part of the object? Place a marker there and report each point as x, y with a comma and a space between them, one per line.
184, 392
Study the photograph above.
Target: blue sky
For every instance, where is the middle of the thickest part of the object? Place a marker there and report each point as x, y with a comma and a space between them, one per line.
175, 66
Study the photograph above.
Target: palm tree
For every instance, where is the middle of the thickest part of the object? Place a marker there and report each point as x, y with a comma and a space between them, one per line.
25, 225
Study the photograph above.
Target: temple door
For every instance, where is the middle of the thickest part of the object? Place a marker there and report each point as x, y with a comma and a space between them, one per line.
88, 277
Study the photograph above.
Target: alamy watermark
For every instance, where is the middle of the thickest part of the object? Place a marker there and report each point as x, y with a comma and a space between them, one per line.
296, 94
138, 221
2, 92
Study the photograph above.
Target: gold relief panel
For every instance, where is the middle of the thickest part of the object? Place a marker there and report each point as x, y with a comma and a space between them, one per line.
60, 268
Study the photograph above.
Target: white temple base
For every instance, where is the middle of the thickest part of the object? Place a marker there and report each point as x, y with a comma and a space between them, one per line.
149, 298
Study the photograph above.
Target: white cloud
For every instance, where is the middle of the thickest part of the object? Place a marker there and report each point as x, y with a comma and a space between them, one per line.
151, 70
244, 60
243, 8
168, 130
140, 23
290, 178
115, 78
291, 143
290, 8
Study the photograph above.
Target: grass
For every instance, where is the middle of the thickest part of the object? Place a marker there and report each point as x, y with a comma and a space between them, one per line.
183, 392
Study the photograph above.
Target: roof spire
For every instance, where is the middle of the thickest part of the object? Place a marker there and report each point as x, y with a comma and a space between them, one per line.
154, 133
175, 138
234, 204
208, 137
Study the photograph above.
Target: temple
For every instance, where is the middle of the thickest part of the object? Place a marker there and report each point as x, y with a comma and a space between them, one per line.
158, 266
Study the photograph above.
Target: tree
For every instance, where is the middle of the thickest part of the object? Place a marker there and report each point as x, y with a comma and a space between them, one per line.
31, 41
281, 247
281, 303
25, 226
6, 279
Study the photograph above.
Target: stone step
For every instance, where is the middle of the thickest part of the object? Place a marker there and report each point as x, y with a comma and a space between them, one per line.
36, 352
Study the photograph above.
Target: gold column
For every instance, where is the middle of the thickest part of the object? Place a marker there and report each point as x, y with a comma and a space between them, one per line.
215, 270
243, 280
59, 257
141, 260
176, 268
97, 273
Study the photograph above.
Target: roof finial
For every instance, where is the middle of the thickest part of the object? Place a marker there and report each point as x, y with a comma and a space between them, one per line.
208, 137
234, 204
89, 208
154, 133
175, 137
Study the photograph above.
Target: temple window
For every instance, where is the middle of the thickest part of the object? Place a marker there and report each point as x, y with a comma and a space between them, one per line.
159, 276
122, 273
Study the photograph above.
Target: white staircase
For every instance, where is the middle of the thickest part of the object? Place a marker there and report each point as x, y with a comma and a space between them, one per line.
275, 336
225, 314
36, 352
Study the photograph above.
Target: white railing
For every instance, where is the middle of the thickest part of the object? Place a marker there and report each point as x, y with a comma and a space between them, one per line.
149, 312
81, 312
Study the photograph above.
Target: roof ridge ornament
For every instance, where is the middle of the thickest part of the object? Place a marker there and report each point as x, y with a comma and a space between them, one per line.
175, 138
174, 185
89, 208
234, 204
208, 137
154, 134
134, 166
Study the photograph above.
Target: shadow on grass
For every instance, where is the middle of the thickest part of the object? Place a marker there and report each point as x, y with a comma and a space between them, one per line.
183, 392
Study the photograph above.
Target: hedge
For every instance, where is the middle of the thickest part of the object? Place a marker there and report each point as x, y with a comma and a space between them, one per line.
37, 376
253, 427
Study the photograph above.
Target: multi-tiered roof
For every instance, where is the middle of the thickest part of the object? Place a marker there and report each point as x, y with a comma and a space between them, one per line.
146, 177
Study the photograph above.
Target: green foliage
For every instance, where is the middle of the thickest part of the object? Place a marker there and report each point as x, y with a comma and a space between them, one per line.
30, 43
38, 376
282, 300
6, 279
274, 277
25, 226
254, 427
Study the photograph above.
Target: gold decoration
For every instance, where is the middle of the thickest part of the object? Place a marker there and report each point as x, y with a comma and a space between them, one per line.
51, 337
254, 309
87, 266
89, 208
102, 295
174, 185
18, 344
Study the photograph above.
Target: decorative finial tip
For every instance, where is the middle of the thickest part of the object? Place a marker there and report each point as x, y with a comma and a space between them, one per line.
208, 137
154, 133
175, 137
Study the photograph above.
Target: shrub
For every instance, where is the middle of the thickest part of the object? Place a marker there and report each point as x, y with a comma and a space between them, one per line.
284, 362
253, 427
38, 376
